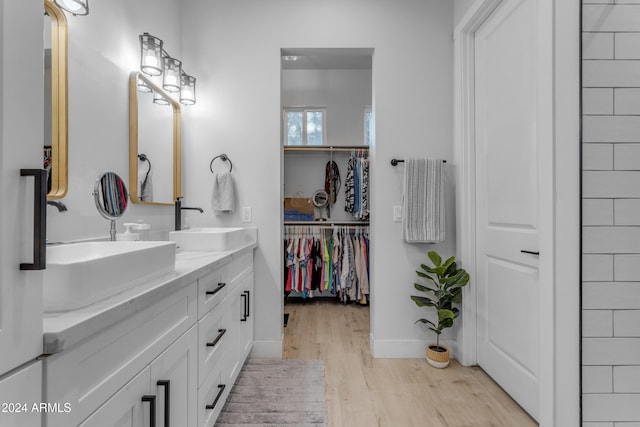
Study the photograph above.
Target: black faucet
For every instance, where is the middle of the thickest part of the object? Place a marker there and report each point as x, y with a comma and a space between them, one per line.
58, 204
178, 213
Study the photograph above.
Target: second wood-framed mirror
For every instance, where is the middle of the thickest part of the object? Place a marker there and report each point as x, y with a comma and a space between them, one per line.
55, 96
154, 143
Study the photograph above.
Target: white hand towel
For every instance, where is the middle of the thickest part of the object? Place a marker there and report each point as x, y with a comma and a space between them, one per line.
223, 198
423, 201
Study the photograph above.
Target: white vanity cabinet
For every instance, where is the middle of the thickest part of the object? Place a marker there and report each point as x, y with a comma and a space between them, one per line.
93, 371
21, 396
166, 388
176, 359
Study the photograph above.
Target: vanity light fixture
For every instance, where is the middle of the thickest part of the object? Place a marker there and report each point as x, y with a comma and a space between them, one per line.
171, 75
155, 61
159, 99
188, 90
142, 86
150, 55
75, 7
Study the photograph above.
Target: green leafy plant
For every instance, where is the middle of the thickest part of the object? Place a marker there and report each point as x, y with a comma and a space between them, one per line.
443, 289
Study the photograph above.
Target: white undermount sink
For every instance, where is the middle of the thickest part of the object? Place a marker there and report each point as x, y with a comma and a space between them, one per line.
213, 238
80, 274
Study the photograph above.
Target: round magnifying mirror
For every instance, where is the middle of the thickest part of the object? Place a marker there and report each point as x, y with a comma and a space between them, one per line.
111, 197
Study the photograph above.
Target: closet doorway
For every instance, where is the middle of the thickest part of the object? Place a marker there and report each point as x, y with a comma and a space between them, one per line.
327, 129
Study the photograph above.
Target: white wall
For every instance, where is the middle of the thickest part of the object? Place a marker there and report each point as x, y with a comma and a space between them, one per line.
103, 50
345, 93
235, 48
460, 7
611, 215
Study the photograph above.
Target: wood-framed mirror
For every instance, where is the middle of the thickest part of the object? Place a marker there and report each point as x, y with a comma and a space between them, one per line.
55, 95
154, 143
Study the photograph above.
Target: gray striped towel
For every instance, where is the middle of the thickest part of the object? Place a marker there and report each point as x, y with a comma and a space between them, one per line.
423, 201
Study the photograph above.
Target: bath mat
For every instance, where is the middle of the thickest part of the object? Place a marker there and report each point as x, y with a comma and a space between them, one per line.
276, 393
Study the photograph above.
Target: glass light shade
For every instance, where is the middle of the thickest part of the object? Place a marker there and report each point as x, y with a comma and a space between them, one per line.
76, 7
150, 55
188, 90
142, 86
172, 72
159, 99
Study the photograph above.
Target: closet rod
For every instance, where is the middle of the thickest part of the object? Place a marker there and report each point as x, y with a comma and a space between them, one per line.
327, 227
394, 162
327, 223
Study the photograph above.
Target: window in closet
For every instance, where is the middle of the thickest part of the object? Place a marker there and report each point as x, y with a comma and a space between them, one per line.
305, 126
368, 126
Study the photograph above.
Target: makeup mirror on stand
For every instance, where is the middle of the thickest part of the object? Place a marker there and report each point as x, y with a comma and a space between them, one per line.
111, 197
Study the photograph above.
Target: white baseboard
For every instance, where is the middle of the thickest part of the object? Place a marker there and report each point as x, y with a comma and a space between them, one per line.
404, 349
266, 350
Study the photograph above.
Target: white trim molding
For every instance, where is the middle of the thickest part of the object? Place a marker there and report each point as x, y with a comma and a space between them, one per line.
559, 357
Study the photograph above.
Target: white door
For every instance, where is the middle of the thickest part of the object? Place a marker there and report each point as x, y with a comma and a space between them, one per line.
511, 128
21, 147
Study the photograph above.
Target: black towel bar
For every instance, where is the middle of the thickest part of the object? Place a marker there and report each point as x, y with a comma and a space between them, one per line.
394, 162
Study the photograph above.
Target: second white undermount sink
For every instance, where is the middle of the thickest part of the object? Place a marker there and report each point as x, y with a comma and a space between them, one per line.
214, 239
80, 274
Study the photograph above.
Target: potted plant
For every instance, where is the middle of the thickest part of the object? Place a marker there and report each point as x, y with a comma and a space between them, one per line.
443, 288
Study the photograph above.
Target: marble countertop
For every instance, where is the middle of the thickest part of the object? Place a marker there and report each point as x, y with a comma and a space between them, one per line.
65, 329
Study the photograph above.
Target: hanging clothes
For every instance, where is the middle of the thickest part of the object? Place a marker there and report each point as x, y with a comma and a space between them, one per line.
332, 184
332, 263
356, 186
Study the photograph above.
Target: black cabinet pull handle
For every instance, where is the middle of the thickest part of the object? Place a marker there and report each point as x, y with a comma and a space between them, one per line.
213, 343
218, 289
248, 307
220, 391
152, 409
244, 307
39, 219
167, 398
530, 252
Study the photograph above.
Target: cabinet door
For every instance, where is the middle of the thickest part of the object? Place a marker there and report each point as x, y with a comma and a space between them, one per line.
174, 380
235, 314
246, 326
126, 408
21, 146
19, 392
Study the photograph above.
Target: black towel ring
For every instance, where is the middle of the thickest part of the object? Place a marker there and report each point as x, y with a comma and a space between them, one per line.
224, 158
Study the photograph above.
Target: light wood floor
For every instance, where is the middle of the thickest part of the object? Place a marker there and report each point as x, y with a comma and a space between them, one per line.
362, 391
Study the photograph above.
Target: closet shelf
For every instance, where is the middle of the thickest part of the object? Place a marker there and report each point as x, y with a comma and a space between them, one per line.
325, 148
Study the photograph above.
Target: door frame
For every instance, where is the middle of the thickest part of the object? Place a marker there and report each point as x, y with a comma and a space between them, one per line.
559, 356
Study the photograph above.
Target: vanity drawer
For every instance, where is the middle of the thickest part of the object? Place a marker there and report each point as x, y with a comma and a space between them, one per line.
88, 374
211, 397
212, 288
213, 336
239, 266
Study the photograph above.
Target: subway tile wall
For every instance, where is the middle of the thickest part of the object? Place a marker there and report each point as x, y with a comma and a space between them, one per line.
611, 213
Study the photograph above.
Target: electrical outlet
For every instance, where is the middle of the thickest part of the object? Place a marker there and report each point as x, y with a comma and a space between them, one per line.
397, 214
246, 214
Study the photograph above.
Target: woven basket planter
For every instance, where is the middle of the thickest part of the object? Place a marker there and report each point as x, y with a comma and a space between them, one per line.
437, 359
